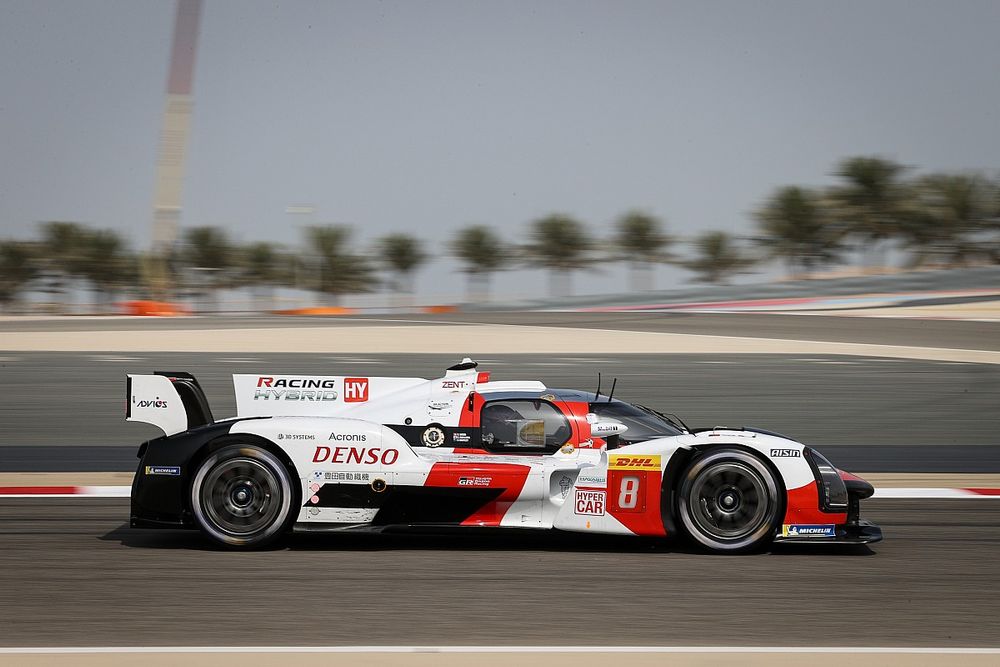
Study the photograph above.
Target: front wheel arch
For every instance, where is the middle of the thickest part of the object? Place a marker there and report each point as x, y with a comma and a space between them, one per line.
675, 486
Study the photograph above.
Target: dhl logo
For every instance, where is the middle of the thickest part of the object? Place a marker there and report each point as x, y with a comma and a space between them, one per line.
634, 462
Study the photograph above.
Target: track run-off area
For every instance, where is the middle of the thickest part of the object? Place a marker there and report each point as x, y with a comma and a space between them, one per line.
918, 399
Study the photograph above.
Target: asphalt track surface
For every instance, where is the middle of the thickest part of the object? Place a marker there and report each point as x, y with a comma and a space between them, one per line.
71, 573
63, 411
880, 331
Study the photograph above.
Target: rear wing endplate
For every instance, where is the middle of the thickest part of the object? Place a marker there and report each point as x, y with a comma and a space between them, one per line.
171, 401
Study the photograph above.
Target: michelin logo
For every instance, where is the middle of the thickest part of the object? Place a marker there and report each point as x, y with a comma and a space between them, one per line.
795, 530
172, 471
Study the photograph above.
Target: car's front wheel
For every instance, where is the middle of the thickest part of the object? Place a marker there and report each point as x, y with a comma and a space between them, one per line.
729, 501
241, 496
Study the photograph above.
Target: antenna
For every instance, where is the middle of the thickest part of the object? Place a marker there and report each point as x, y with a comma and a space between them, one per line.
597, 393
613, 385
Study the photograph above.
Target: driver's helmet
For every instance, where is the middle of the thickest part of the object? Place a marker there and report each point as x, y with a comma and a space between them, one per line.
499, 424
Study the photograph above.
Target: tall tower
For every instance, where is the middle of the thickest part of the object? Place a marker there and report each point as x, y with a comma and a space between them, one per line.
174, 138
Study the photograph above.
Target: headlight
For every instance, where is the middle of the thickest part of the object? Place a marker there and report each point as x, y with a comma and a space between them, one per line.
832, 490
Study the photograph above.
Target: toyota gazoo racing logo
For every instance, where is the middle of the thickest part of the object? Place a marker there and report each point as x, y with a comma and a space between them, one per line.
634, 462
294, 389
356, 455
475, 481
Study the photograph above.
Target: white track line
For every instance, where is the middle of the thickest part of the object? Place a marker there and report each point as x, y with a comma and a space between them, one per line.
499, 649
79, 492
910, 492
926, 493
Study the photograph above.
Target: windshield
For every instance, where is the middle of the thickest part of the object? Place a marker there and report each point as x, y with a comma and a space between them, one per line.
642, 425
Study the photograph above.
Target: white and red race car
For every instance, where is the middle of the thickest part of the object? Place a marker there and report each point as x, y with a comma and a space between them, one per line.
374, 453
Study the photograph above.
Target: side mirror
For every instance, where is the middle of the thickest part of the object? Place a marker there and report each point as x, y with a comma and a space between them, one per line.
606, 429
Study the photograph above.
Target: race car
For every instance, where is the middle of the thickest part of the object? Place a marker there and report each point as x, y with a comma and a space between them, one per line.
339, 453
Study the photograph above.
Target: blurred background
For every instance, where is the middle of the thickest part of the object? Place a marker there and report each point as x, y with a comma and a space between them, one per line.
821, 177
247, 156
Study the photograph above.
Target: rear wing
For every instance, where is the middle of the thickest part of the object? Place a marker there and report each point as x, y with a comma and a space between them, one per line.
171, 401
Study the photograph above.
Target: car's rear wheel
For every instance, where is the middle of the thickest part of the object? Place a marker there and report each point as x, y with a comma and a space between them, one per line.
729, 501
241, 496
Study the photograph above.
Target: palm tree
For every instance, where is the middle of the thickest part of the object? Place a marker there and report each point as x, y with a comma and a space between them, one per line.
209, 255
562, 245
262, 266
642, 242
403, 255
868, 204
17, 270
719, 258
482, 253
107, 264
950, 220
336, 269
60, 258
796, 229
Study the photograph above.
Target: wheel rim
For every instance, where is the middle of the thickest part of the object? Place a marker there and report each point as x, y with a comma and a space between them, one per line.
729, 501
241, 496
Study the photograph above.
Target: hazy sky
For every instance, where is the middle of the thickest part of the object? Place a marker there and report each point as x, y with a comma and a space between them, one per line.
424, 116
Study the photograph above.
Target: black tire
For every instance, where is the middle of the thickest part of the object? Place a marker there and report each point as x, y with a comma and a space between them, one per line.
729, 501
242, 496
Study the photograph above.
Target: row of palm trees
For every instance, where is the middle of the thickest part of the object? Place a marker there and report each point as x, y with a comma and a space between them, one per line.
941, 220
207, 261
66, 253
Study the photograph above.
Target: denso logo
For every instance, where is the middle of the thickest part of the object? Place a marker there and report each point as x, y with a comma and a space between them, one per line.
355, 390
361, 455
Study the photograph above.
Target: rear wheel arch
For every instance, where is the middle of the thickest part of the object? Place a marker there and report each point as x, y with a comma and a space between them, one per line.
229, 439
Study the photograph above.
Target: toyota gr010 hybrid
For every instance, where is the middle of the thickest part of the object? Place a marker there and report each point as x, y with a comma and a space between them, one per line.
371, 453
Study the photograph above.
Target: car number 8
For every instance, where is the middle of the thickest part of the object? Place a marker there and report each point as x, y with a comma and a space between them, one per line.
629, 495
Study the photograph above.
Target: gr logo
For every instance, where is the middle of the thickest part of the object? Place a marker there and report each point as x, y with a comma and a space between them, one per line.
355, 390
